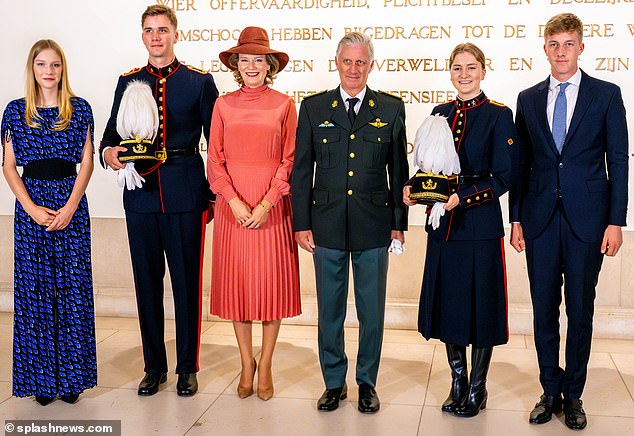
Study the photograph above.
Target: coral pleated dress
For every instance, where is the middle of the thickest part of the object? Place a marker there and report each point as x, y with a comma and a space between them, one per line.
255, 272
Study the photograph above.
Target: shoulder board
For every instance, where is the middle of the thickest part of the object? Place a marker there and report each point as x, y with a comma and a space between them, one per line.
496, 103
316, 93
390, 95
132, 71
198, 70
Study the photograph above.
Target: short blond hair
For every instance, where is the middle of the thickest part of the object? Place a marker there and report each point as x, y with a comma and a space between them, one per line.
155, 10
564, 23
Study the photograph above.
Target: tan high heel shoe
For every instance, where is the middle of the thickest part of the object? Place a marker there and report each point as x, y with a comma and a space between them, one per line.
266, 393
247, 391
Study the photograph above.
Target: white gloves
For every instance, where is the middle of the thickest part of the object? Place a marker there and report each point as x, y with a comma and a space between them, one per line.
129, 177
437, 210
396, 247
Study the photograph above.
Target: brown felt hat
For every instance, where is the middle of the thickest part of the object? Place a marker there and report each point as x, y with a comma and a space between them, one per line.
254, 41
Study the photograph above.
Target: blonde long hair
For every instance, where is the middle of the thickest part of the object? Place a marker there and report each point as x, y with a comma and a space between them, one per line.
32, 93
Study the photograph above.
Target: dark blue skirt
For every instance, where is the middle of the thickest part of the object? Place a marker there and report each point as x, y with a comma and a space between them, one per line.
463, 298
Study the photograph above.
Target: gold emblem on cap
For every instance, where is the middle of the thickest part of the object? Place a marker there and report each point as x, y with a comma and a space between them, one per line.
429, 184
378, 123
334, 103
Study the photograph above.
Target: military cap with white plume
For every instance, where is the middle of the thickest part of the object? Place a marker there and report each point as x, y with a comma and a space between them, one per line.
434, 152
137, 118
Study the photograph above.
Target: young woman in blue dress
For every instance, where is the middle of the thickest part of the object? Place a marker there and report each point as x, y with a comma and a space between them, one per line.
49, 132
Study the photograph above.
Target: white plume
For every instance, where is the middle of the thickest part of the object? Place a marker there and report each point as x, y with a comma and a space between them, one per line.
434, 149
138, 114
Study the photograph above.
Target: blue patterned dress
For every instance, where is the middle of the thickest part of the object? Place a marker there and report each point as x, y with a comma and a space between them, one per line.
54, 349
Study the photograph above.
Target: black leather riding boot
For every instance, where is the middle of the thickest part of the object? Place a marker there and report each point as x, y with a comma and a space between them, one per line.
477, 397
457, 357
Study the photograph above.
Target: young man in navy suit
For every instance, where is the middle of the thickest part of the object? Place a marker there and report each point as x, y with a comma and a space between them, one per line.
567, 211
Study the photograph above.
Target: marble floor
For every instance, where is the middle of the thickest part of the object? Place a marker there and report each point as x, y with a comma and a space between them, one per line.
413, 381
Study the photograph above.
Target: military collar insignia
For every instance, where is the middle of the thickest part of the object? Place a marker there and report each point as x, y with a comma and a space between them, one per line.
326, 124
471, 103
165, 71
378, 123
371, 103
334, 104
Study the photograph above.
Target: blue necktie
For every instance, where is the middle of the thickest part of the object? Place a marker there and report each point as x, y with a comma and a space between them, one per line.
559, 117
352, 115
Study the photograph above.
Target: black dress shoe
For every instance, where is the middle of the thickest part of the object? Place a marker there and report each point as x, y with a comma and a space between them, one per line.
329, 400
187, 385
70, 399
368, 399
44, 400
150, 383
575, 415
543, 411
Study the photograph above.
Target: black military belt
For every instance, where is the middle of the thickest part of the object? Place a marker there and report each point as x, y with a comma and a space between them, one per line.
467, 180
50, 169
181, 152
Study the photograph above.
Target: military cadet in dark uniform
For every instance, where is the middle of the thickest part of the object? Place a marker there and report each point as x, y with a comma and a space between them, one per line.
356, 138
167, 216
463, 297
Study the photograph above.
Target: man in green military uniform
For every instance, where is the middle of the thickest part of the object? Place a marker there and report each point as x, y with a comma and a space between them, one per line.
352, 140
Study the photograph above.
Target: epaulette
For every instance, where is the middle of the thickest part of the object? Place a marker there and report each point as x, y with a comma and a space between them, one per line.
132, 71
198, 70
496, 103
390, 94
316, 93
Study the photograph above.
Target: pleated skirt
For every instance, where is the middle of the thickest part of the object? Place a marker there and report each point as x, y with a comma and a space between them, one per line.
255, 272
464, 296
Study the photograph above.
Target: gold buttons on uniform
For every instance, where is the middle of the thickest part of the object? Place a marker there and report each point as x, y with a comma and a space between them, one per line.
160, 98
352, 136
458, 131
478, 198
349, 191
458, 111
161, 126
351, 173
160, 108
324, 140
468, 200
352, 155
161, 118
456, 139
460, 123
162, 81
486, 195
378, 139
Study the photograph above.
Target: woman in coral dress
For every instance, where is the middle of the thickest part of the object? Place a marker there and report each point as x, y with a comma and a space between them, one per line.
255, 272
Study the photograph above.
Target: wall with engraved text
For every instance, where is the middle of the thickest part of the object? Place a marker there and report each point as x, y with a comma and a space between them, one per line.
412, 40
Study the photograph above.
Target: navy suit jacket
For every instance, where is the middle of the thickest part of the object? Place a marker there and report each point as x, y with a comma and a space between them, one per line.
589, 176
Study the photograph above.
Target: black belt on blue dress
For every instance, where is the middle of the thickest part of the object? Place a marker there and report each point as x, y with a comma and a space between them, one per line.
50, 169
474, 178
